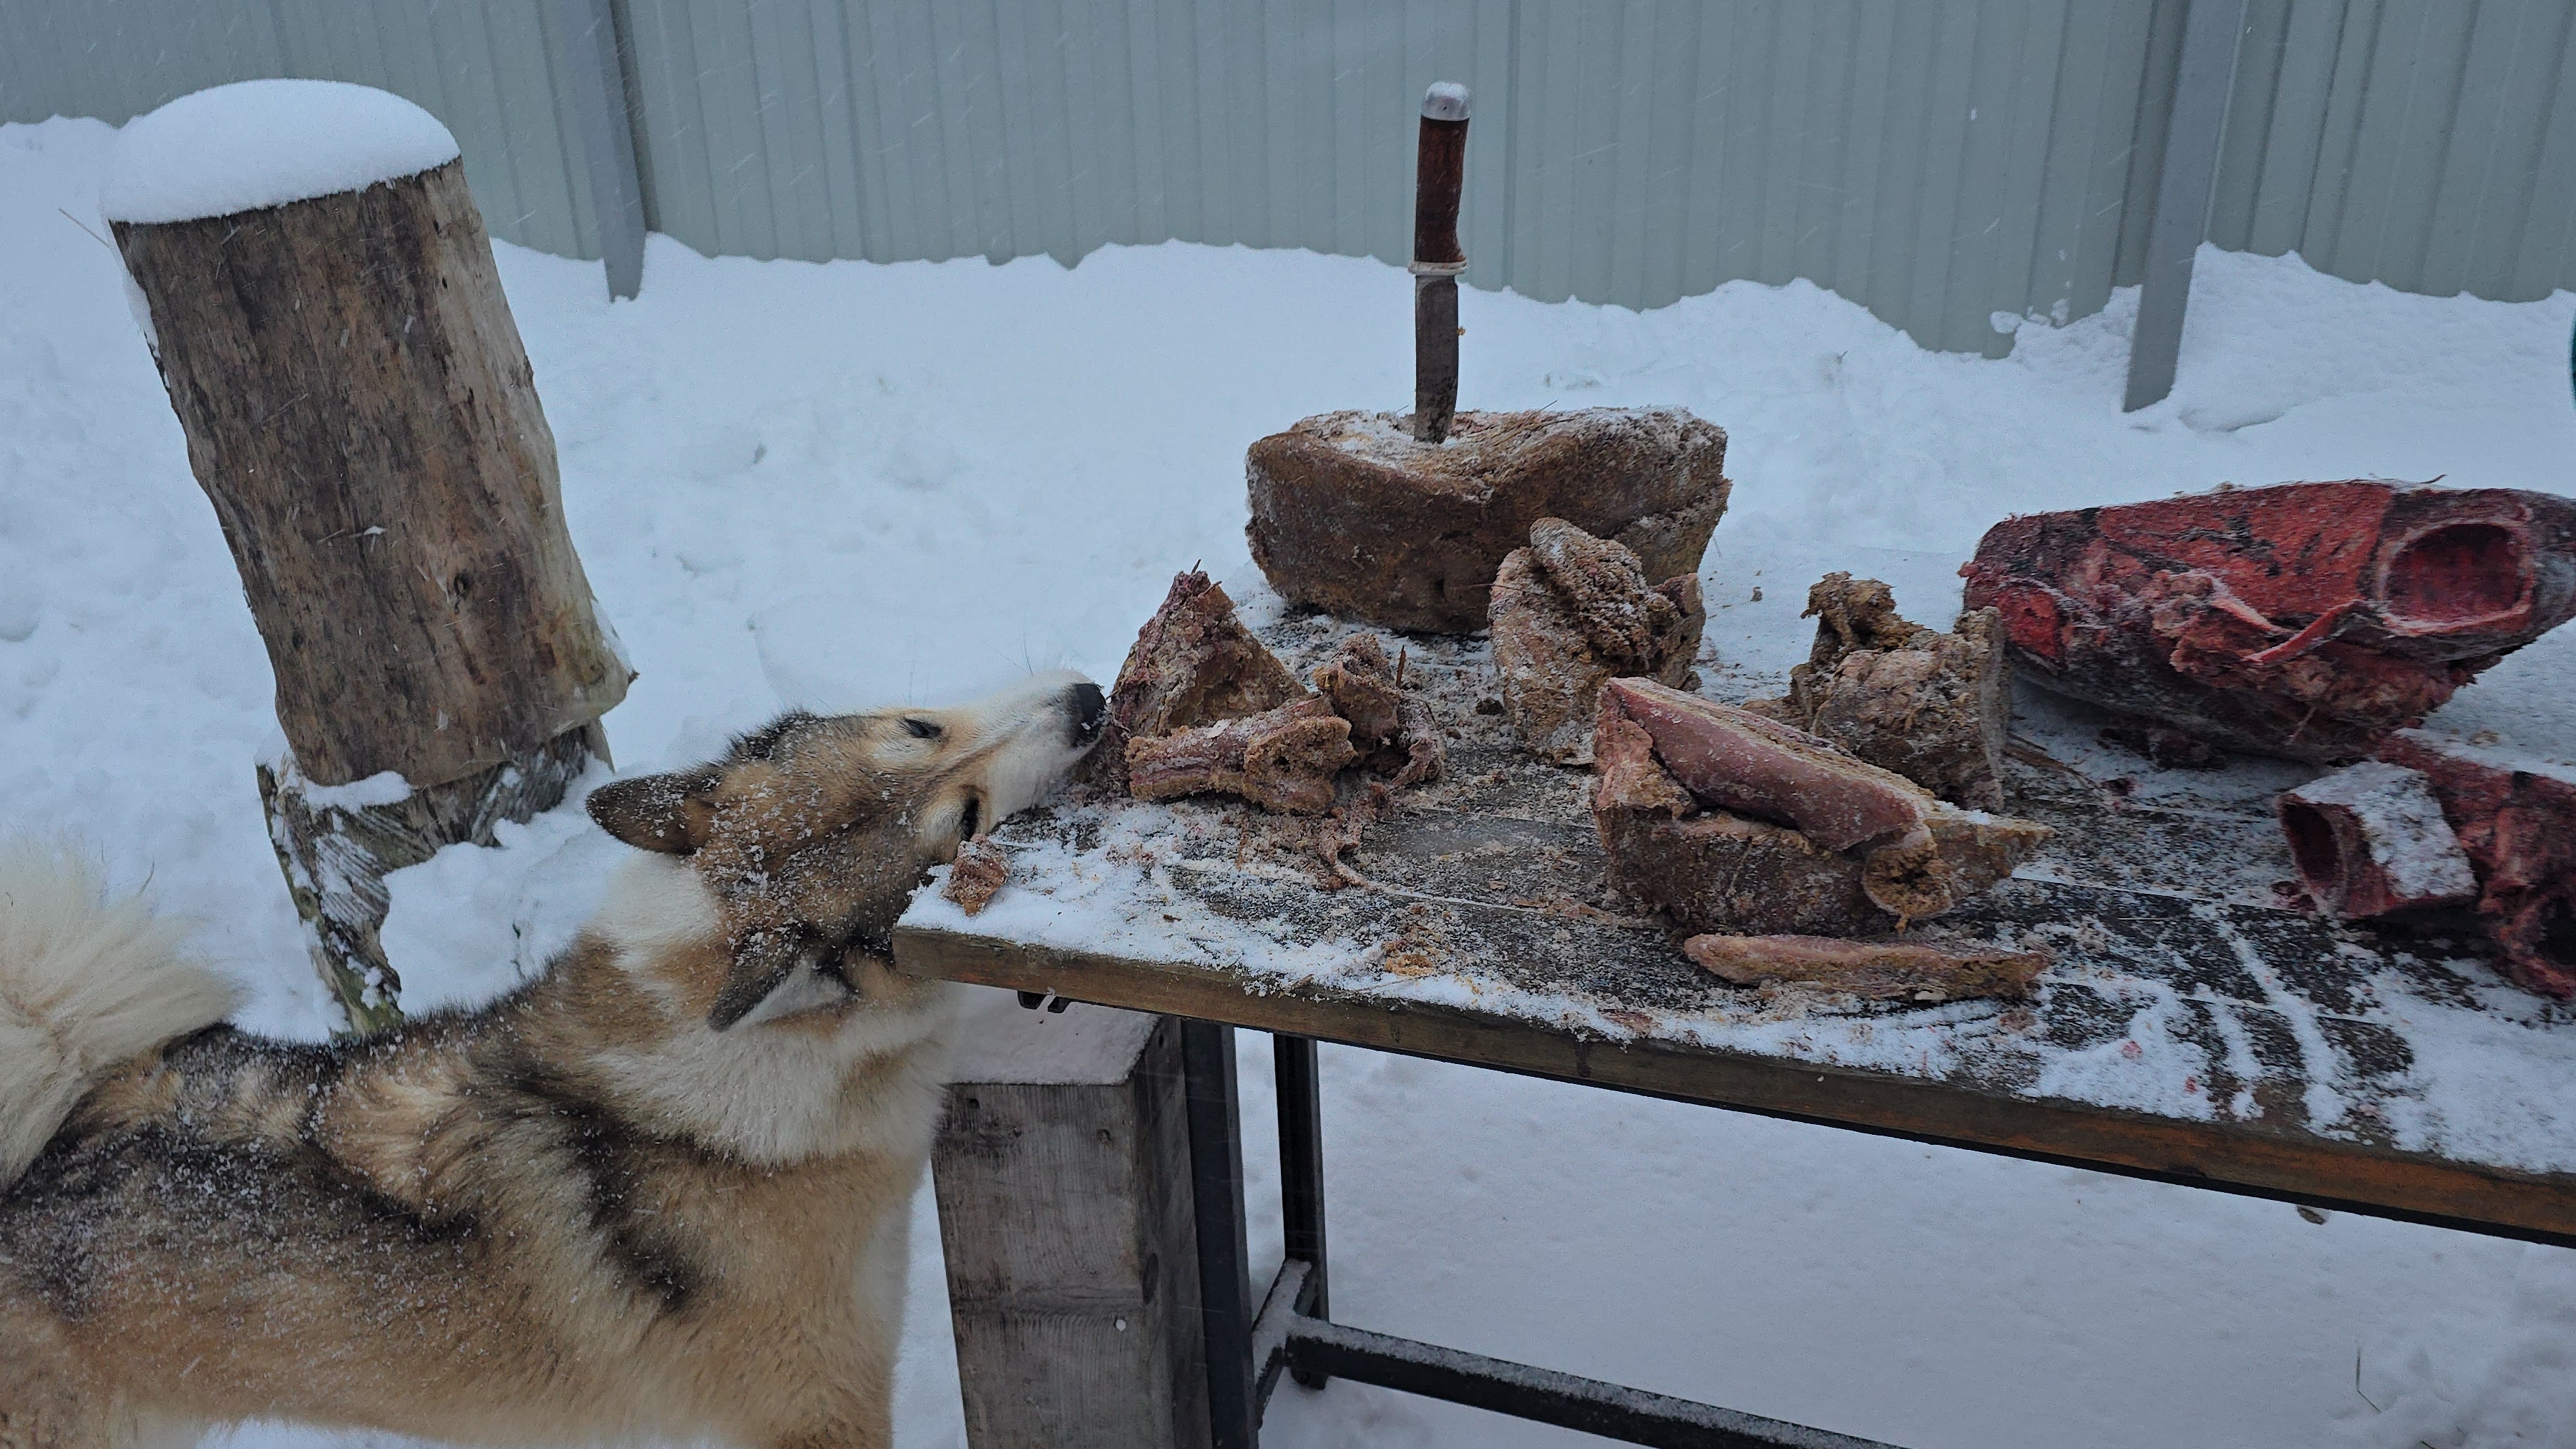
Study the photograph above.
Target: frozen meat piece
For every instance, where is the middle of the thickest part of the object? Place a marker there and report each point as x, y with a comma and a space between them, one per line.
2307, 620
1754, 766
1902, 970
1572, 612
1192, 663
982, 869
1390, 725
2370, 840
2515, 818
1930, 706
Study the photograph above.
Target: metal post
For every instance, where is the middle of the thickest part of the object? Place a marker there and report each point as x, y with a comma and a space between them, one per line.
1301, 1175
1225, 1282
2201, 86
587, 34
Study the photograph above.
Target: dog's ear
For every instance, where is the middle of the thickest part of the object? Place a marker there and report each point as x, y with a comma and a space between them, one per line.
670, 813
762, 962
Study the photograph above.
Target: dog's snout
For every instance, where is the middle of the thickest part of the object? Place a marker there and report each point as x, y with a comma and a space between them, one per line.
1089, 709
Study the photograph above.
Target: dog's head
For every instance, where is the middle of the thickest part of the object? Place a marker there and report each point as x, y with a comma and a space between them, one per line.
812, 832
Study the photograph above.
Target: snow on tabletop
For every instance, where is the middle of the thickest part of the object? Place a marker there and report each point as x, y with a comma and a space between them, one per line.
262, 143
2480, 1075
2177, 990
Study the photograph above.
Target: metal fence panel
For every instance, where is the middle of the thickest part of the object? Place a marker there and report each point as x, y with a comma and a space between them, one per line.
484, 67
2427, 144
1938, 161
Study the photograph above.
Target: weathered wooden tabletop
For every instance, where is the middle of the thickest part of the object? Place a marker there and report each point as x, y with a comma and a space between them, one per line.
2192, 1029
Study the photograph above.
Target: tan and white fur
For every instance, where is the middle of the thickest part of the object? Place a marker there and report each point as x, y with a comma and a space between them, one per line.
663, 1191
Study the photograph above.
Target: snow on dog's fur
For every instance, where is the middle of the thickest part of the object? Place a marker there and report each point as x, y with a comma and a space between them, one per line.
661, 1191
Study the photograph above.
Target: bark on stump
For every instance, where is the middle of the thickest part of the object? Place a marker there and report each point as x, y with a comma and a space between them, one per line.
360, 411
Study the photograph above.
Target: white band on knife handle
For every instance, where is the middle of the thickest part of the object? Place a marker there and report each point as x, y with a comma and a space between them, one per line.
1437, 269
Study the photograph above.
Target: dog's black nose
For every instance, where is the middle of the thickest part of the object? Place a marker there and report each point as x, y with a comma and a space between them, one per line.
1089, 708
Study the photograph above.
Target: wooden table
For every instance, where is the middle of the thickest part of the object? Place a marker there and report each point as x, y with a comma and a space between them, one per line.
2193, 1030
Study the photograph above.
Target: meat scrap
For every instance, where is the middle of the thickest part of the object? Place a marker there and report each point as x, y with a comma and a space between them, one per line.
1729, 822
1389, 724
1912, 970
1289, 759
1930, 706
2369, 840
1193, 663
1571, 612
1284, 759
2515, 819
982, 869
2307, 620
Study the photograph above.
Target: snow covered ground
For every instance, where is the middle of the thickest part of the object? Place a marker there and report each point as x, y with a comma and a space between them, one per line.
834, 485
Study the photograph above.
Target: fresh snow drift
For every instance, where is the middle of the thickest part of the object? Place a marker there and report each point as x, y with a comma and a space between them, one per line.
254, 144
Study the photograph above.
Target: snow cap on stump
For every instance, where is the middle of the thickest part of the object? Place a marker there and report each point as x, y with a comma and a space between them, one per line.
256, 144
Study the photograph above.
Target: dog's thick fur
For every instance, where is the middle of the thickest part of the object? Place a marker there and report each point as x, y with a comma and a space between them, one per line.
662, 1192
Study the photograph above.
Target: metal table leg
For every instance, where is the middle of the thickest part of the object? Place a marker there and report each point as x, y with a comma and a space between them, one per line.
1225, 1283
1301, 1178
1293, 1330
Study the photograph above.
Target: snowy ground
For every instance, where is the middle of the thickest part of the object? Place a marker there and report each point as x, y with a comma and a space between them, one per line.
844, 484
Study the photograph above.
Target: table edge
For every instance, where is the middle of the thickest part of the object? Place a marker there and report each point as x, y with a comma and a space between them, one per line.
2225, 1156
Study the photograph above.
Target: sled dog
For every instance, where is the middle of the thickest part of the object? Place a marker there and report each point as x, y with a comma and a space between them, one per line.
661, 1192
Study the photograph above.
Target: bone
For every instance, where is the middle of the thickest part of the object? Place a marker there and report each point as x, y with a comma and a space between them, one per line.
2515, 819
1283, 760
1355, 516
1742, 762
982, 869
1571, 612
1193, 663
1361, 684
2369, 840
1930, 706
1390, 725
1878, 970
2306, 620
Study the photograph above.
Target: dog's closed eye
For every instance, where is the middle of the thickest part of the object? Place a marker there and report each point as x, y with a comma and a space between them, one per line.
922, 729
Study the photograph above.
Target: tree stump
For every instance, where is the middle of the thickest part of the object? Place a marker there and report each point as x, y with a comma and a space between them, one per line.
360, 411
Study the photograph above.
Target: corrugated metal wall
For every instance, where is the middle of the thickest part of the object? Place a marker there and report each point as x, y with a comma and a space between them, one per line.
482, 66
2428, 144
1937, 160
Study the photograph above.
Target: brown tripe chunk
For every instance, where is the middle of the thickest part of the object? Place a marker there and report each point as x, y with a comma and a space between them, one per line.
1571, 612
1932, 707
